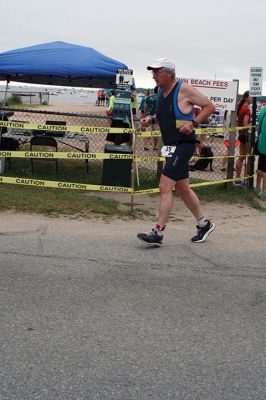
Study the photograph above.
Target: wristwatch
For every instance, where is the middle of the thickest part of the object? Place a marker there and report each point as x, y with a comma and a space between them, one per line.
195, 123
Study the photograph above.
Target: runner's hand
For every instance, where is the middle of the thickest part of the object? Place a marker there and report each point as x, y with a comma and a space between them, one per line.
145, 122
186, 128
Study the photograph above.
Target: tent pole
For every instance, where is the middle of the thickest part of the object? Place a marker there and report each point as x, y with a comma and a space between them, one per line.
2, 112
133, 162
7, 83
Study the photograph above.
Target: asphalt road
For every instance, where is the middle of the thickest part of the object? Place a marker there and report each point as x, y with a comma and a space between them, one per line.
88, 312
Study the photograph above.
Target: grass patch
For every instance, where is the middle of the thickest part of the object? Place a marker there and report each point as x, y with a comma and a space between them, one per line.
77, 203
50, 201
57, 202
13, 100
230, 195
68, 171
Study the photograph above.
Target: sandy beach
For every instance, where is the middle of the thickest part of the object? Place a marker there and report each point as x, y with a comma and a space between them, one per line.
73, 108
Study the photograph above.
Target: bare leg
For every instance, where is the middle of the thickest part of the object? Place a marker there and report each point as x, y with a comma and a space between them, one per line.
225, 159
155, 142
146, 142
189, 197
264, 182
259, 179
239, 163
166, 199
204, 227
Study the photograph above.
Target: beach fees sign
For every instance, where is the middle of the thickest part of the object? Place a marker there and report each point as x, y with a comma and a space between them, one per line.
223, 94
124, 78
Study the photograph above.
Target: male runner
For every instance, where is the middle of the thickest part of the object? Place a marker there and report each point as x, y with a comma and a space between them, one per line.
174, 113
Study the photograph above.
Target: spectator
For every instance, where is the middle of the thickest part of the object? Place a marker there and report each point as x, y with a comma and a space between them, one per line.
109, 110
102, 98
105, 97
243, 119
134, 103
149, 111
142, 109
261, 173
109, 93
142, 103
99, 97
202, 137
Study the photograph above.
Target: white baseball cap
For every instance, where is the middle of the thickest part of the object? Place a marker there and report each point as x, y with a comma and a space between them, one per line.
162, 63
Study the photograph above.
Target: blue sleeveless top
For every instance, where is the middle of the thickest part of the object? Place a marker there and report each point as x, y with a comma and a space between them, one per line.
169, 116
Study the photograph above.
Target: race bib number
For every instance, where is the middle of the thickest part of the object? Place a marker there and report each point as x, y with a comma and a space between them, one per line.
168, 151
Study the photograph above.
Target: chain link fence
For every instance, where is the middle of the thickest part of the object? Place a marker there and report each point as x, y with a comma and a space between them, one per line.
215, 167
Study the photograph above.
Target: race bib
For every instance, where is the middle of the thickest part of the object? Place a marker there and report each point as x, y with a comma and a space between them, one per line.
168, 151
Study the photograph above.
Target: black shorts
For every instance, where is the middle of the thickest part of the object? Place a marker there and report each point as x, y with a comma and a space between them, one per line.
176, 167
243, 138
262, 163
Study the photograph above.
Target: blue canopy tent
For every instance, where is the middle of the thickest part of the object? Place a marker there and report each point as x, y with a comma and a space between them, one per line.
59, 63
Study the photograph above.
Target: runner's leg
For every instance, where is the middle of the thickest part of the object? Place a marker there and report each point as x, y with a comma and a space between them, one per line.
189, 197
166, 199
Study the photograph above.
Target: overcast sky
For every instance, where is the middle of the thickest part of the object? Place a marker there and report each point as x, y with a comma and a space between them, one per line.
206, 39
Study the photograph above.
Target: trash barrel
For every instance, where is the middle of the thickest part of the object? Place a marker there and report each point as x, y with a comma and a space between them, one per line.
117, 171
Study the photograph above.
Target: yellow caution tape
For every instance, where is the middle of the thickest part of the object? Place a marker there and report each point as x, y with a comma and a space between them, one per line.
199, 184
66, 155
64, 128
64, 185
94, 156
212, 130
217, 157
179, 122
199, 131
106, 130
155, 159
146, 191
148, 133
101, 188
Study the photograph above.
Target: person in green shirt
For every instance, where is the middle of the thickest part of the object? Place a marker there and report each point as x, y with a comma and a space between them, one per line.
149, 110
261, 173
142, 103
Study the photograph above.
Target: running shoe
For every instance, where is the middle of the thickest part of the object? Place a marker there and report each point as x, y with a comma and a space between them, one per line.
238, 182
203, 232
262, 195
152, 238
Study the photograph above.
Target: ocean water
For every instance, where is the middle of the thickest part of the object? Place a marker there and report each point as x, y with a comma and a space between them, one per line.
65, 95
74, 97
61, 95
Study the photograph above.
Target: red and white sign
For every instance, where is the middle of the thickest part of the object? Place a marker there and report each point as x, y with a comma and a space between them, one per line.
223, 94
